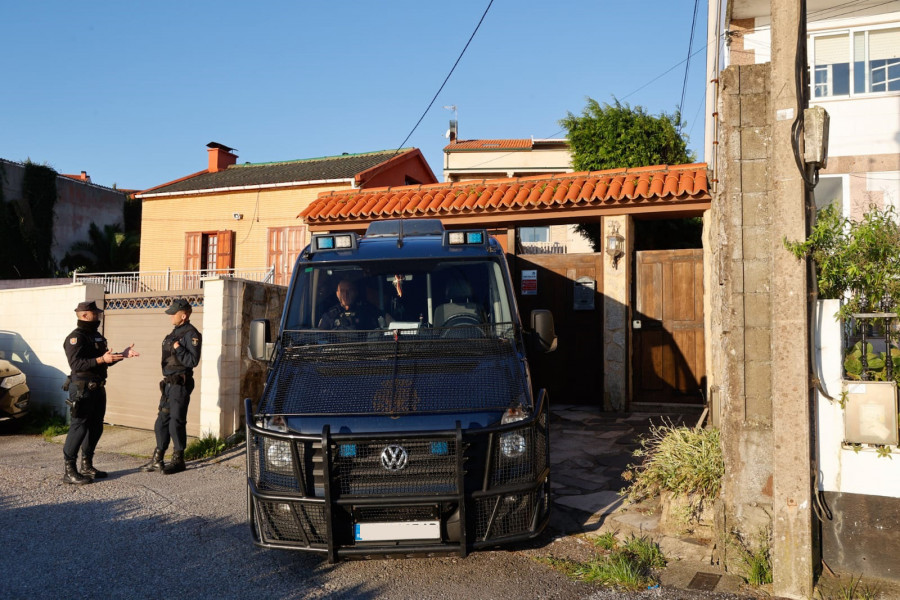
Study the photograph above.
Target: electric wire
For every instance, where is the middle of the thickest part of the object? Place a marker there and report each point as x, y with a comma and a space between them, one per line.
687, 66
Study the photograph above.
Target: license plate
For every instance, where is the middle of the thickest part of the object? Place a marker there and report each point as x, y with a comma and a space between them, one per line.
401, 530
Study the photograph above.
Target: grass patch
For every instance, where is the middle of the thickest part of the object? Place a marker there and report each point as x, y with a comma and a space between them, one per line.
206, 447
854, 589
685, 461
756, 558
628, 565
44, 422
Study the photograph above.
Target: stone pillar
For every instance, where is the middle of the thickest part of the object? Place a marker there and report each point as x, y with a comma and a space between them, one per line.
617, 319
792, 539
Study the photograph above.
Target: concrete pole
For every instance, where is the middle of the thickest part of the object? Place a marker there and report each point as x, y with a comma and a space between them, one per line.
792, 545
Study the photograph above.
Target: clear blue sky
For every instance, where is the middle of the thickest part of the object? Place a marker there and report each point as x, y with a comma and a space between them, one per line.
132, 92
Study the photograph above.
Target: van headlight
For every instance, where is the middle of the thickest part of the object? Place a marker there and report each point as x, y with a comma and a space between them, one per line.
278, 455
512, 443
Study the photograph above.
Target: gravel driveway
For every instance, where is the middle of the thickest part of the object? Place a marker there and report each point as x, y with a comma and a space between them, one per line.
145, 535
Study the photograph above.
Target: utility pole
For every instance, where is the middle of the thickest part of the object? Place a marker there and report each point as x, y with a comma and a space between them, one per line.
792, 539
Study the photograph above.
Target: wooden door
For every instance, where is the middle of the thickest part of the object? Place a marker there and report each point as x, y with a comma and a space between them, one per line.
669, 363
574, 372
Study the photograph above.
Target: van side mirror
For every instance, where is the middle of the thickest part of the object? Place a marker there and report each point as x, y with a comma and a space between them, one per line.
260, 340
542, 330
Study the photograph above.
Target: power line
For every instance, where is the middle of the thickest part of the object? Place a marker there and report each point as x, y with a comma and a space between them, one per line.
687, 66
447, 78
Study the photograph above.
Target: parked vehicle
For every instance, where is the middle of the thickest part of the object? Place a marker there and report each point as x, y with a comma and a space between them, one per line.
14, 394
419, 435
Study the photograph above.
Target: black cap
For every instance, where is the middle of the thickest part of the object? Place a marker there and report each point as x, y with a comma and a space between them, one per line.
178, 304
86, 306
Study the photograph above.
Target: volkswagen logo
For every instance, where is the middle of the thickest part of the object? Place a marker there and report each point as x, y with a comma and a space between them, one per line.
394, 457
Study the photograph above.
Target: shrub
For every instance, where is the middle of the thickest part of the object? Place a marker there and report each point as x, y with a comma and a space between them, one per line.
685, 461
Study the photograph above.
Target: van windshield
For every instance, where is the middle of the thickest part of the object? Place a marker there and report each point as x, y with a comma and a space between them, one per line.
394, 295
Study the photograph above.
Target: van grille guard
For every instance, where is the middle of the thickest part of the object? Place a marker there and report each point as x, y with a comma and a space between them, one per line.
305, 492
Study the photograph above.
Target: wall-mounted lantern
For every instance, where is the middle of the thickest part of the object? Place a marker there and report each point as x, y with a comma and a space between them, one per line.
615, 244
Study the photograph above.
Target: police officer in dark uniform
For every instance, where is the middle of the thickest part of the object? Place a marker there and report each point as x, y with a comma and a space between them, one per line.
350, 312
89, 359
180, 354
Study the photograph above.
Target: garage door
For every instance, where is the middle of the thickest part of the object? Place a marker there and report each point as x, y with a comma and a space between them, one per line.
132, 389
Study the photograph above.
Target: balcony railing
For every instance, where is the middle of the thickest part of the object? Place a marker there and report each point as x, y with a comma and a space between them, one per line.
168, 280
543, 248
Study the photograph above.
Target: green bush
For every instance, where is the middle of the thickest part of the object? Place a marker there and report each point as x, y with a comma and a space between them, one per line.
205, 447
682, 460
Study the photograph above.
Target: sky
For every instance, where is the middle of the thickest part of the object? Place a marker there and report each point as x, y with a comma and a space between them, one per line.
131, 92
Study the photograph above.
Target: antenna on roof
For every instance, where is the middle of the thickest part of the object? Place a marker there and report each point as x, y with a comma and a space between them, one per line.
452, 133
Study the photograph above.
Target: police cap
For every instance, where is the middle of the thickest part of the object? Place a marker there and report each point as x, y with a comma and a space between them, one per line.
86, 306
178, 304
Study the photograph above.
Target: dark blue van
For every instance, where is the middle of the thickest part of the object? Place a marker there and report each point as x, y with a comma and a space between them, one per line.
398, 415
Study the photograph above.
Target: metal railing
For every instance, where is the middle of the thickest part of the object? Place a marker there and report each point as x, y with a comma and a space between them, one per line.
543, 248
168, 280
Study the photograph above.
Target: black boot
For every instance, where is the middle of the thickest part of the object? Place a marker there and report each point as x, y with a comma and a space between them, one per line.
88, 470
176, 465
156, 463
73, 476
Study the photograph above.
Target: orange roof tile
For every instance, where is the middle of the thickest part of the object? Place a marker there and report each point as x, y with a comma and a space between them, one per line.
645, 186
488, 145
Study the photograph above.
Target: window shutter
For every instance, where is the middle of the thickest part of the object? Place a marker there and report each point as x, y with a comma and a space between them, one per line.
225, 256
832, 49
193, 243
884, 44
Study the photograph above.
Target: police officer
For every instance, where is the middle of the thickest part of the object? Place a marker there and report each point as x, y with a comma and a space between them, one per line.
89, 358
180, 354
350, 312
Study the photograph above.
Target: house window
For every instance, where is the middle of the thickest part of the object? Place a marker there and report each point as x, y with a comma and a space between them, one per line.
534, 234
207, 253
284, 246
830, 190
869, 58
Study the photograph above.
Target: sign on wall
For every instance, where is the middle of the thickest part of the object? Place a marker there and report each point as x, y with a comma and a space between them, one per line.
529, 282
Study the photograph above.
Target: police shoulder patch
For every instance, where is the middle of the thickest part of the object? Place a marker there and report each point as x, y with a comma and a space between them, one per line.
73, 340
195, 341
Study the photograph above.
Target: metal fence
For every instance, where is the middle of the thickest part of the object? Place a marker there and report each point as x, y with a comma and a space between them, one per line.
168, 280
543, 248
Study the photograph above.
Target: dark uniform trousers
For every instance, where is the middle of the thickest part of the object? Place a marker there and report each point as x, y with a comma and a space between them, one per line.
88, 400
171, 422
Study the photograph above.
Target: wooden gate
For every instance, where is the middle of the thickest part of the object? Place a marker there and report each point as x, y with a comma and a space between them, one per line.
571, 287
669, 363
132, 389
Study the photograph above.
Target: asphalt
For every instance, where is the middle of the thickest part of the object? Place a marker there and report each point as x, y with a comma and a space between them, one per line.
589, 450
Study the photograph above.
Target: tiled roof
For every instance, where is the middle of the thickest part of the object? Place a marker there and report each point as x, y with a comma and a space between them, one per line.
346, 166
644, 186
488, 145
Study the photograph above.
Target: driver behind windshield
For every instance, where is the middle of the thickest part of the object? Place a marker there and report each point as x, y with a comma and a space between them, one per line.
350, 312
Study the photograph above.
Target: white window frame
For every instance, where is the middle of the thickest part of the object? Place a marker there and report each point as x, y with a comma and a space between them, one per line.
850, 32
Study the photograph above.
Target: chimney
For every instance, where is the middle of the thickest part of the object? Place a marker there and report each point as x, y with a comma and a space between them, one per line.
85, 176
220, 157
451, 133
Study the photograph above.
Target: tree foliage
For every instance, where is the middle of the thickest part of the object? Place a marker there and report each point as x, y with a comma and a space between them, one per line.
106, 250
617, 136
26, 225
858, 261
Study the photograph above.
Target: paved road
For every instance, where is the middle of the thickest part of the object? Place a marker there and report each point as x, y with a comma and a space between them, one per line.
145, 535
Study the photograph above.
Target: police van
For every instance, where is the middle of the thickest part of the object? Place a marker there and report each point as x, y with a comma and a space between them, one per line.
398, 415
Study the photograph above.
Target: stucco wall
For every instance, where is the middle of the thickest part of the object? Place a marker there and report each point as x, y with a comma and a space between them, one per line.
42, 317
228, 373
165, 220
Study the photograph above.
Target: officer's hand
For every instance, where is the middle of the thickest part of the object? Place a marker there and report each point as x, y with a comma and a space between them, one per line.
130, 352
110, 357
176, 345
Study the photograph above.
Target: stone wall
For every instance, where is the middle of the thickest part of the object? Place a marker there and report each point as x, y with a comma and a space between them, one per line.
740, 333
